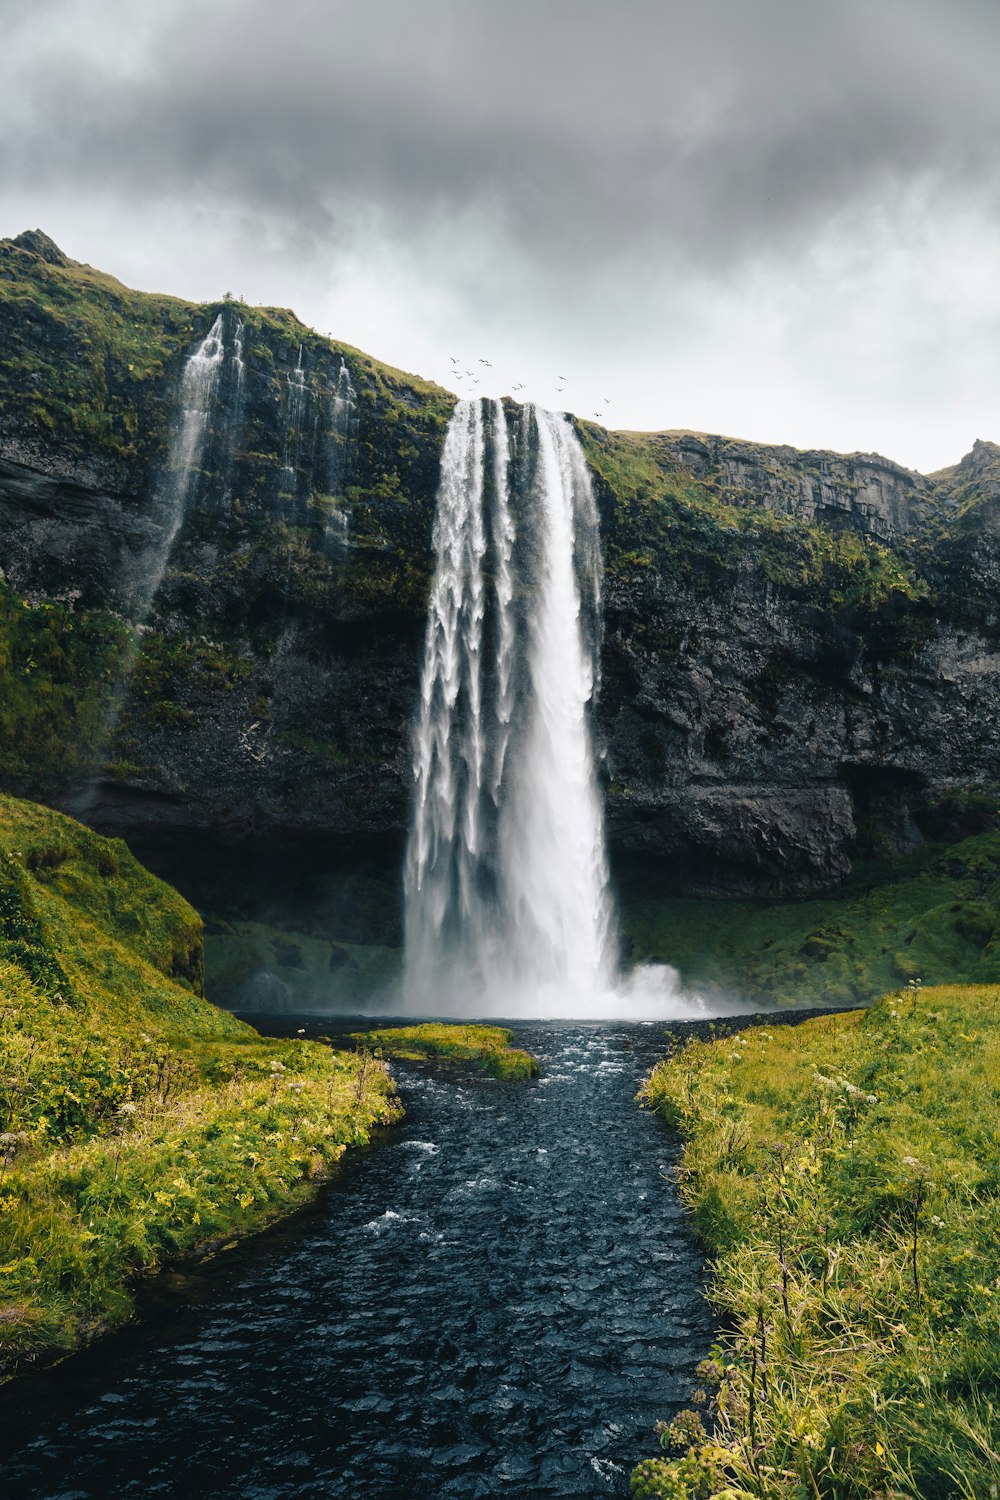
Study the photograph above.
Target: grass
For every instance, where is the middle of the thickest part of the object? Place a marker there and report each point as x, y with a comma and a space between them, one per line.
485, 1047
845, 1177
85, 357
313, 970
691, 530
934, 915
138, 1123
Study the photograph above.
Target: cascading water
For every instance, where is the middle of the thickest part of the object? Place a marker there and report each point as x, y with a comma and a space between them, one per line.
295, 412
238, 332
199, 384
234, 416
508, 910
343, 409
197, 399
442, 914
551, 826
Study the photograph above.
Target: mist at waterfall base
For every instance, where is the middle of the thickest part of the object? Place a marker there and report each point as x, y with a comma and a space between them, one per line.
508, 910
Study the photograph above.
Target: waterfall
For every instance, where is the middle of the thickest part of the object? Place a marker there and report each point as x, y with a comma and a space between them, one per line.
238, 333
442, 896
196, 403
507, 906
343, 399
507, 903
551, 830
179, 477
234, 415
343, 409
503, 548
295, 410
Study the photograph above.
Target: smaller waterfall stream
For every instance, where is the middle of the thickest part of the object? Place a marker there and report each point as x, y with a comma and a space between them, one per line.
196, 401
295, 414
508, 909
343, 402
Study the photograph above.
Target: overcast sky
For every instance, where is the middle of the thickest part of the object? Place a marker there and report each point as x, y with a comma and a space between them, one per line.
778, 219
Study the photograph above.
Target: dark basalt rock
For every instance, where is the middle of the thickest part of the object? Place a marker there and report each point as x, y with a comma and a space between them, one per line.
39, 244
801, 654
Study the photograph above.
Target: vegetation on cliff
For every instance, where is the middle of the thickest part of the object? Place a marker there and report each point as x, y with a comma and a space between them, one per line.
137, 1122
843, 1174
932, 915
484, 1047
658, 514
753, 635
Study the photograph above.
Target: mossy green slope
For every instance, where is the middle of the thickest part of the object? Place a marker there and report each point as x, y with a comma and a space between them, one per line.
485, 1047
138, 1121
844, 1174
89, 363
933, 915
89, 381
659, 515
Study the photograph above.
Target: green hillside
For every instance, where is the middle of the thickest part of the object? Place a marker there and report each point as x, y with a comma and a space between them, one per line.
138, 1121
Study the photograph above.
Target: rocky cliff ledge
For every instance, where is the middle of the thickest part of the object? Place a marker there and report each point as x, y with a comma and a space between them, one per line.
801, 651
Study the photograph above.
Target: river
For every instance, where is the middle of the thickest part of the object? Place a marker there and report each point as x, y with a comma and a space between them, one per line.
499, 1298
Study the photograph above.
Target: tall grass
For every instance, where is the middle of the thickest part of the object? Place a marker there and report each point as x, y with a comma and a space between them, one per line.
485, 1047
845, 1176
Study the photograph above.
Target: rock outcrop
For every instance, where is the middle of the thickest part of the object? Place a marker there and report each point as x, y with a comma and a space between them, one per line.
801, 650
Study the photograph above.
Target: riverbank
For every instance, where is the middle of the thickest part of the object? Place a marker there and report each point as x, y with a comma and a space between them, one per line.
844, 1176
138, 1123
486, 1048
499, 1300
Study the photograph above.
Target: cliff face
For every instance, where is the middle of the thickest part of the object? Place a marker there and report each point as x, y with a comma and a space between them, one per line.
800, 654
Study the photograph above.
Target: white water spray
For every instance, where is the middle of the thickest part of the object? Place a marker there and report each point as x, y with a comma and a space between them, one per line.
508, 910
503, 547
448, 747
196, 402
551, 829
238, 333
197, 395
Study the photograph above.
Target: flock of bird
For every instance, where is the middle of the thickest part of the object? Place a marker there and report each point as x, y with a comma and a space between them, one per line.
462, 376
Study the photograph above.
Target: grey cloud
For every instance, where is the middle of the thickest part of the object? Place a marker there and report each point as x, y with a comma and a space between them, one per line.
698, 131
